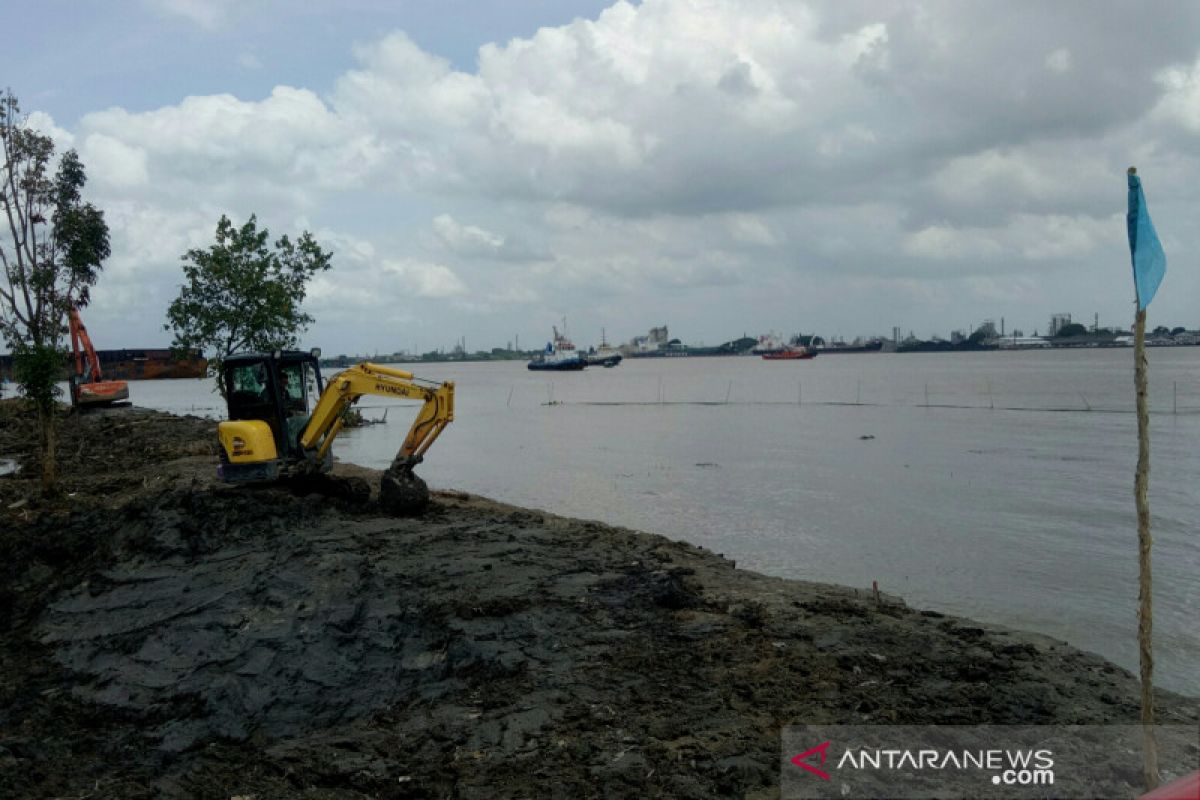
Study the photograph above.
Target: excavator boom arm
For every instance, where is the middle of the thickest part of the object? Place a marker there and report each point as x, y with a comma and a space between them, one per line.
348, 386
81, 343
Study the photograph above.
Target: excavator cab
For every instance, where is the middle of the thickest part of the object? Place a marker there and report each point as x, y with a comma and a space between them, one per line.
270, 395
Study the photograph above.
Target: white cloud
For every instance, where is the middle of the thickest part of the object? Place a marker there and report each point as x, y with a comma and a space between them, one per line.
1180, 102
947, 243
474, 242
866, 47
290, 139
424, 279
44, 124
1023, 238
467, 239
1048, 237
114, 164
207, 14
751, 229
1059, 60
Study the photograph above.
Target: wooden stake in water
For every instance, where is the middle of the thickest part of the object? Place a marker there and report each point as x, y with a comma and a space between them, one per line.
1141, 485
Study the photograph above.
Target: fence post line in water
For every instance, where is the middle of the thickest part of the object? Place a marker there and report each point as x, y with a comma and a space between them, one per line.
1175, 397
927, 395
728, 391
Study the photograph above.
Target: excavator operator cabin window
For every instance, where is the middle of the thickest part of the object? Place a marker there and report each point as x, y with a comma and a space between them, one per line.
297, 379
249, 383
293, 388
310, 380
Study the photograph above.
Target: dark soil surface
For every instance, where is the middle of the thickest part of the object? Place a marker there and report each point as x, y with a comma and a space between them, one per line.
165, 636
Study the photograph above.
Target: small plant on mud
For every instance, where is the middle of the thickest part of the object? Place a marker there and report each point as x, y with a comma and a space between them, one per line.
243, 294
52, 256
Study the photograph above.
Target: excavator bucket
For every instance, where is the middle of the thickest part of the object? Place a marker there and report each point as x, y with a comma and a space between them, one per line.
401, 492
100, 393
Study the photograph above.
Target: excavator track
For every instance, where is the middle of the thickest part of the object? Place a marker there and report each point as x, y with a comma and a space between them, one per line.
354, 491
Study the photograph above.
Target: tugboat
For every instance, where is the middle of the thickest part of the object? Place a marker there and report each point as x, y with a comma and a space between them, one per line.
560, 355
605, 355
789, 353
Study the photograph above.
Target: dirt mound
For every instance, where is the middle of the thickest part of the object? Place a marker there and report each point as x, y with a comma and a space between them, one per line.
192, 640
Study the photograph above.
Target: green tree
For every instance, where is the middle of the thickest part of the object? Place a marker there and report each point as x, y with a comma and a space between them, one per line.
242, 294
53, 254
1074, 329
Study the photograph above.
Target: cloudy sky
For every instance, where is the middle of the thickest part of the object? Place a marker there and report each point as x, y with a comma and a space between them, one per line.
483, 168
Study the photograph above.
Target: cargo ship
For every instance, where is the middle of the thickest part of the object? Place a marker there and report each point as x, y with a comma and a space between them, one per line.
135, 365
873, 346
148, 365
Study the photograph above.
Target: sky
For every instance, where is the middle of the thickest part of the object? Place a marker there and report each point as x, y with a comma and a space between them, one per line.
484, 169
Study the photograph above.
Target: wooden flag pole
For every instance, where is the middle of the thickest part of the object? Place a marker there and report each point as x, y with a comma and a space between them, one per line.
1141, 484
1141, 481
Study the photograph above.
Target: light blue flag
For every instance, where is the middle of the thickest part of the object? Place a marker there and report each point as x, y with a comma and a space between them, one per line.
1149, 260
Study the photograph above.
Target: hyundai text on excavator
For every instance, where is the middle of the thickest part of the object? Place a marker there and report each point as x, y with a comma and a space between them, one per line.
271, 433
88, 387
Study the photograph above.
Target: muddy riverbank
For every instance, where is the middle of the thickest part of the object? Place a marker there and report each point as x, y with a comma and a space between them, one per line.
165, 636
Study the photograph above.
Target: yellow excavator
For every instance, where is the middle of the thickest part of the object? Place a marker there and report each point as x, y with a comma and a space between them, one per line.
271, 434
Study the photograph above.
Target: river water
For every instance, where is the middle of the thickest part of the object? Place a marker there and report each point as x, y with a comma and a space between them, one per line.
994, 485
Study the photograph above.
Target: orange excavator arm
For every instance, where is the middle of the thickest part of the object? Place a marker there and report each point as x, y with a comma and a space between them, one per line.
81, 345
88, 387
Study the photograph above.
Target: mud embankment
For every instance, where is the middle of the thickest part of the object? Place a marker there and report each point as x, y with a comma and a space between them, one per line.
164, 636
